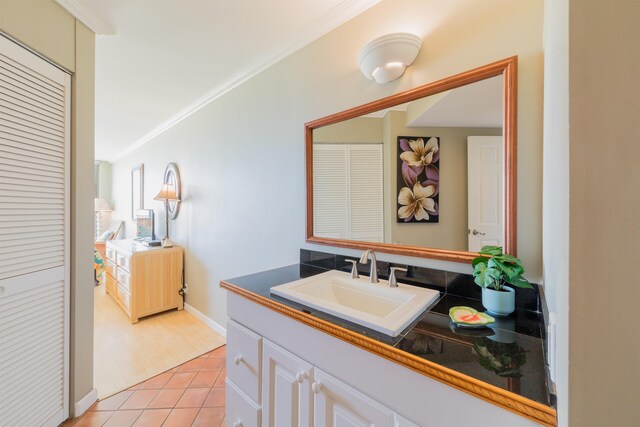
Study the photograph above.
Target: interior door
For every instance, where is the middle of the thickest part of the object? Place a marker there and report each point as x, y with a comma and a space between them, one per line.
485, 191
34, 239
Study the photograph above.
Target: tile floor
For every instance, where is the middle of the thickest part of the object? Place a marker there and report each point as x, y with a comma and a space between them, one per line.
192, 394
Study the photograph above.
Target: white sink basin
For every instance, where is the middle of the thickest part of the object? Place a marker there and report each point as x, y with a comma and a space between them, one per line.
375, 306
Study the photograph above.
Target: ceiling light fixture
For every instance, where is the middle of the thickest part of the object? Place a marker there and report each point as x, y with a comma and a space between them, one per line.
385, 58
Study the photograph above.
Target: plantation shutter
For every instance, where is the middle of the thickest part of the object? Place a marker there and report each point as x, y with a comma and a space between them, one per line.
347, 193
34, 239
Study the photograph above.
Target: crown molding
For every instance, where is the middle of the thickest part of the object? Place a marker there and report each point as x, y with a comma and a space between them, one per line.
340, 14
81, 11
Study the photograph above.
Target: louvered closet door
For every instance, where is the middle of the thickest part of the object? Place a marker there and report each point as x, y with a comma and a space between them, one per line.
34, 239
348, 191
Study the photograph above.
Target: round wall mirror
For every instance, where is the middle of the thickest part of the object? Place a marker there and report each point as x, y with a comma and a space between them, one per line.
172, 176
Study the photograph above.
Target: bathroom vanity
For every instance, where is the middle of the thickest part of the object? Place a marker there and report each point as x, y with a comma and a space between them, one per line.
289, 364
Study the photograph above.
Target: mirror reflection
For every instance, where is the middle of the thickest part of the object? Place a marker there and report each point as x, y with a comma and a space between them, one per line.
427, 173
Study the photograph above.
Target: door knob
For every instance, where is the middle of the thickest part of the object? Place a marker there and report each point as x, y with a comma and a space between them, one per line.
316, 387
476, 232
237, 424
238, 359
300, 376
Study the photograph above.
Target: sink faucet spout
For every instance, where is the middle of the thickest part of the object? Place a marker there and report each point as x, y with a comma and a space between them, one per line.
373, 272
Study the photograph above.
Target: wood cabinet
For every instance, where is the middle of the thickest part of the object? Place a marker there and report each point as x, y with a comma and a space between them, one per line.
144, 281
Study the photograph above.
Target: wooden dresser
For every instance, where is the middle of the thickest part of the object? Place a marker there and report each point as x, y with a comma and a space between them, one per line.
142, 280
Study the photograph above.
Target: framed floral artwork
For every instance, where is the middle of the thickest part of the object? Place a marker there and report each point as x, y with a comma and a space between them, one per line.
418, 179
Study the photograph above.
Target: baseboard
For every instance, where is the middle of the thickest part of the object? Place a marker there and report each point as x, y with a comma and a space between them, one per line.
205, 319
81, 406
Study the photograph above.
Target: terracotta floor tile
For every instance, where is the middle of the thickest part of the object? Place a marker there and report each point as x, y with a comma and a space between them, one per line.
152, 418
193, 398
123, 418
171, 399
192, 365
156, 382
181, 417
180, 380
204, 379
112, 403
221, 379
214, 363
92, 419
216, 398
208, 417
140, 399
166, 398
220, 351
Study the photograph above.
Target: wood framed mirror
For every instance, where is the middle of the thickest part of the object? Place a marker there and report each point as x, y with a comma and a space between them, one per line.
430, 172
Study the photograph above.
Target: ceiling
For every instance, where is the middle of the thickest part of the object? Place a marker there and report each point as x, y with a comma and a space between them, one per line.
158, 61
478, 104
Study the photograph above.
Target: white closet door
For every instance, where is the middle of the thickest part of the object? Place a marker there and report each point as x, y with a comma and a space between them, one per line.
365, 192
330, 191
34, 239
348, 191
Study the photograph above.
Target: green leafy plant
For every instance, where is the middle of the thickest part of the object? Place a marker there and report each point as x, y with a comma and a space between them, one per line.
494, 269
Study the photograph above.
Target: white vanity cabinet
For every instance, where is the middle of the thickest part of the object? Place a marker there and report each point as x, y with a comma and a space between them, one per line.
282, 373
338, 405
286, 388
270, 386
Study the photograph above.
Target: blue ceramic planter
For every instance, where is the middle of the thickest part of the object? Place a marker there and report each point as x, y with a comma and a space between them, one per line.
500, 303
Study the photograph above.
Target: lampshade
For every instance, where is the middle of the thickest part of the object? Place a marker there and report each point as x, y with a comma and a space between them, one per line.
100, 205
385, 58
168, 193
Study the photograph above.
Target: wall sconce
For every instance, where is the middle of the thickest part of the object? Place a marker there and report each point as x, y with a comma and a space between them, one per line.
385, 58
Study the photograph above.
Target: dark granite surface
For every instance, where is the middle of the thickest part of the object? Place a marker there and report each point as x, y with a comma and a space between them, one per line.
509, 355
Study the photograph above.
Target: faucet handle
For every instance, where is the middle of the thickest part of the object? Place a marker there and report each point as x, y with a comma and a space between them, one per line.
393, 281
354, 268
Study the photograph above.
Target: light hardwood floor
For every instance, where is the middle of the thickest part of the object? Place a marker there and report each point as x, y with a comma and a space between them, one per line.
126, 354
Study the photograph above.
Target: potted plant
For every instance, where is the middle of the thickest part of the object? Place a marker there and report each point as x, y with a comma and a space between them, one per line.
492, 270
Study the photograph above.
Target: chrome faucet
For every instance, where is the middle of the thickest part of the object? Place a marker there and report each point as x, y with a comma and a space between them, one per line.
373, 273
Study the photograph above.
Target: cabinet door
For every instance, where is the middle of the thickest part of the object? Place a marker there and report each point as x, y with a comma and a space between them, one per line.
241, 411
338, 405
286, 388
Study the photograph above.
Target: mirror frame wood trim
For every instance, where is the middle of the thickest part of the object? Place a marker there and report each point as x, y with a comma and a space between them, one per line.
508, 68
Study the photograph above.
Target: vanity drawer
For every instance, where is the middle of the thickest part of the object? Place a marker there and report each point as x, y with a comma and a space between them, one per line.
243, 359
124, 279
240, 411
123, 261
111, 268
123, 296
111, 254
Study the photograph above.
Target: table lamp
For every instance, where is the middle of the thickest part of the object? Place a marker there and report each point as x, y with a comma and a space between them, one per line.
167, 194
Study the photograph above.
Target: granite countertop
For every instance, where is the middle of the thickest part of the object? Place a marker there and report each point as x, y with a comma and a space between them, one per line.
509, 355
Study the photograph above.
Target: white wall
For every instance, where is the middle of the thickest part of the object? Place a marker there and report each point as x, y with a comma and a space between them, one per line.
555, 202
242, 156
604, 244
